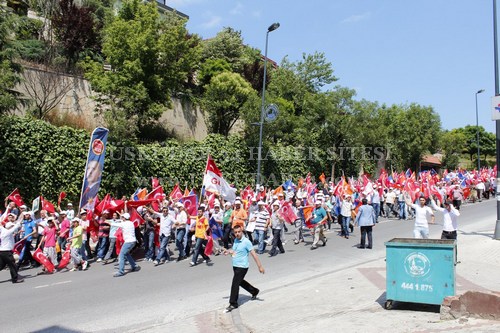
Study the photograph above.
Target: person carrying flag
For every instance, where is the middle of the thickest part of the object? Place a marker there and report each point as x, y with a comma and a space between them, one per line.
7, 245
240, 251
200, 235
421, 229
29, 231
261, 224
76, 246
277, 224
49, 243
318, 220
226, 223
180, 232
128, 230
166, 224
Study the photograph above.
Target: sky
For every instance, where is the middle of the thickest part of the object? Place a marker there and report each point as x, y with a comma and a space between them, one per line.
436, 53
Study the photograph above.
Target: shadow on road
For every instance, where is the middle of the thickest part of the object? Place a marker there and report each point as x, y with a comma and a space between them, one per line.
407, 306
56, 329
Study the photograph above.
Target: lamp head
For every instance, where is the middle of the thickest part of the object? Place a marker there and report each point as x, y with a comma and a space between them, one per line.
273, 27
480, 91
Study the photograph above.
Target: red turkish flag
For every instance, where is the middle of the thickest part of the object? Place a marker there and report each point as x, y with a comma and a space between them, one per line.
66, 257
18, 247
135, 217
190, 204
157, 196
155, 182
100, 206
211, 167
210, 246
43, 260
287, 212
138, 203
157, 235
247, 193
16, 197
434, 191
114, 206
176, 193
62, 195
119, 240
48, 206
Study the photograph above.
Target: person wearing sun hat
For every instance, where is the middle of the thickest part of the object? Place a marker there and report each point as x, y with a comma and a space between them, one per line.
7, 245
239, 215
277, 223
318, 220
129, 239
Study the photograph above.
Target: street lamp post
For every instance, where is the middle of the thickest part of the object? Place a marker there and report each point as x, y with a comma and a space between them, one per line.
497, 122
272, 27
477, 134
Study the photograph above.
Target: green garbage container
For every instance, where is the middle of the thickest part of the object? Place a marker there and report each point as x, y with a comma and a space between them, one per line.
419, 270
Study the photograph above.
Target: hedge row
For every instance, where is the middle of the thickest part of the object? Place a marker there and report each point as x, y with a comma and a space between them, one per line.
41, 159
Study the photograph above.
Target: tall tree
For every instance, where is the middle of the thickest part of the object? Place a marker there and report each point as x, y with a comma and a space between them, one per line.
9, 70
225, 97
75, 30
151, 60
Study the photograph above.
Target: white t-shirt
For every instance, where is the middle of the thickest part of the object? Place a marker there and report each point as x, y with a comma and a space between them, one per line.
128, 230
421, 215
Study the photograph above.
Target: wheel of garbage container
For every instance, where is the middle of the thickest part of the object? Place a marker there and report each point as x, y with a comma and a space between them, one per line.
388, 305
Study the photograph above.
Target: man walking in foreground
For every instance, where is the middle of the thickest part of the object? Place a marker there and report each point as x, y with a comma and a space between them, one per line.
129, 243
242, 247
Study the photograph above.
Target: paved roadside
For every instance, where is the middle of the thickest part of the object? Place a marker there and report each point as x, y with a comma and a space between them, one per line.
351, 299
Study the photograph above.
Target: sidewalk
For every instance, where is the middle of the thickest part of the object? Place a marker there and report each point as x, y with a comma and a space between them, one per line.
351, 299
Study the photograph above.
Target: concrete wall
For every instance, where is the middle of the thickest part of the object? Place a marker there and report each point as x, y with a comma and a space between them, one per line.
184, 120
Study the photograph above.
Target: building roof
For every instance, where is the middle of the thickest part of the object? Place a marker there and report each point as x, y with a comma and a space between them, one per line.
162, 5
431, 159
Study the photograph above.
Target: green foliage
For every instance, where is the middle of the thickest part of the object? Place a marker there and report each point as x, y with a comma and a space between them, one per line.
210, 68
9, 71
228, 46
27, 28
39, 158
151, 60
224, 99
30, 49
76, 30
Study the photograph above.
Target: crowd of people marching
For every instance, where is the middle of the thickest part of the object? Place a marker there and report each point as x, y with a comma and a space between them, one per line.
173, 228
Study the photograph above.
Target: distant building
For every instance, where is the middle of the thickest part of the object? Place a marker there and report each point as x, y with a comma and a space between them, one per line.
162, 8
430, 162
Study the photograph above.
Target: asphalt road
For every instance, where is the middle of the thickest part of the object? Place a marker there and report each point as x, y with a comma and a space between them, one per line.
93, 300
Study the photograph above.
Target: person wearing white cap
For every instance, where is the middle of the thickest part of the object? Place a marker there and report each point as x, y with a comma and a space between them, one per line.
76, 245
262, 221
277, 223
29, 231
70, 212
298, 223
180, 232
7, 245
346, 209
218, 216
226, 223
64, 226
289, 193
129, 239
239, 215
375, 202
319, 217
